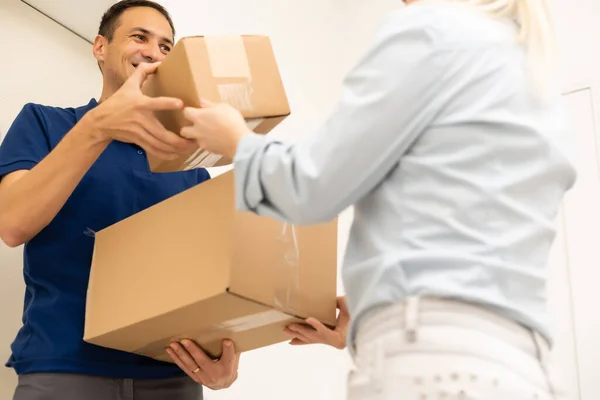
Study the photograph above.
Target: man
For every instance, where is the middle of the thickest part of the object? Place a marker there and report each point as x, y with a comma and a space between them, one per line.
66, 173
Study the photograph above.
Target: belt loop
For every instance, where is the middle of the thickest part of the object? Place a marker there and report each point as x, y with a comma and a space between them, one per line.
411, 318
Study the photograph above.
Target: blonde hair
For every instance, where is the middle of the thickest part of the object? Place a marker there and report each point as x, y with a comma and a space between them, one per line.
535, 33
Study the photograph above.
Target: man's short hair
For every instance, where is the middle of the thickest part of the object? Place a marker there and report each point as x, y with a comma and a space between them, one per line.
110, 19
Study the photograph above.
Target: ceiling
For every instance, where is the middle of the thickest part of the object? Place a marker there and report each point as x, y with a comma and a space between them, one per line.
80, 17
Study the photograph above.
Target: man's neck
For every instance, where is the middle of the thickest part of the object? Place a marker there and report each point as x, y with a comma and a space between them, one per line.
105, 95
107, 91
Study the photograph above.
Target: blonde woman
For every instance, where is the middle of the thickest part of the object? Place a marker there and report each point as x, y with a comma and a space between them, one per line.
448, 141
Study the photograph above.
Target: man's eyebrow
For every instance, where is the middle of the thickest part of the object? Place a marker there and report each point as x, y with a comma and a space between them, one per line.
147, 32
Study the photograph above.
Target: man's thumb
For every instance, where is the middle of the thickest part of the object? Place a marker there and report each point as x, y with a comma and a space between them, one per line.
204, 103
142, 72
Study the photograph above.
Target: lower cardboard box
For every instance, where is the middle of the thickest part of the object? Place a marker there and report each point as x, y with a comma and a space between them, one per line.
193, 267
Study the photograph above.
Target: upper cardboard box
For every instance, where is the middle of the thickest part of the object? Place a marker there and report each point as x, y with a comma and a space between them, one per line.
239, 70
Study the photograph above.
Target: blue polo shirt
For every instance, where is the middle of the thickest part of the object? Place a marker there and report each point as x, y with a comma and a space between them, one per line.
57, 261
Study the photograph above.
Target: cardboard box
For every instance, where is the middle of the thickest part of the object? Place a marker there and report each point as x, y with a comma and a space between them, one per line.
193, 267
239, 70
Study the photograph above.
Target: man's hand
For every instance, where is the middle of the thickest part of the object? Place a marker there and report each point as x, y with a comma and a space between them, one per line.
214, 374
316, 332
128, 116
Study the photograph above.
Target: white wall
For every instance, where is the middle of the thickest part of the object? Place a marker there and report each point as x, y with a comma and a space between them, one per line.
41, 63
582, 231
578, 32
316, 42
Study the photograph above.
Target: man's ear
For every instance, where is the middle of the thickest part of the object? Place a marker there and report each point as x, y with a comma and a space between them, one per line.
99, 49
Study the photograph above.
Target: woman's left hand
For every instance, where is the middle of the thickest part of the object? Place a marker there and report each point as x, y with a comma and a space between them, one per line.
316, 332
216, 128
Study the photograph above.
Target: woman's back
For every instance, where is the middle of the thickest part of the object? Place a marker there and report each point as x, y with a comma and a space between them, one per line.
468, 212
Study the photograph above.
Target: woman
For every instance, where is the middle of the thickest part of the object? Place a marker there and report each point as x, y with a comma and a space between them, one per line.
448, 141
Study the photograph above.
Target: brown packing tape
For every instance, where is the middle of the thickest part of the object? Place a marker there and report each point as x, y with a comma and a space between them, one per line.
288, 276
228, 59
227, 56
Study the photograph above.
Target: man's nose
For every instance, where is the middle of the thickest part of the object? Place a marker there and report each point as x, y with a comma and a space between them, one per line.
152, 54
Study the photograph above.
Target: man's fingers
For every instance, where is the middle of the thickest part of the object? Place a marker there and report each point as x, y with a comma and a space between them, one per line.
166, 140
142, 72
236, 358
200, 376
178, 361
229, 358
200, 358
192, 113
228, 355
188, 132
204, 103
191, 133
161, 155
236, 364
174, 142
184, 355
163, 103
203, 361
156, 147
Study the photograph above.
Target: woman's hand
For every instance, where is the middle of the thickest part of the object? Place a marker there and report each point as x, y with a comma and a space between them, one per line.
217, 128
316, 332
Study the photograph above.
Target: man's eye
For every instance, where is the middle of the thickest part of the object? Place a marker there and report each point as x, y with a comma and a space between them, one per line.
165, 48
140, 37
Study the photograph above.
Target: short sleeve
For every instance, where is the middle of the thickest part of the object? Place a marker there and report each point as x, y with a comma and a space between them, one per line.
26, 142
202, 175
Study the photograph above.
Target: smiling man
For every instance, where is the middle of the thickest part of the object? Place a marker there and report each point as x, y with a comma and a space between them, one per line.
67, 172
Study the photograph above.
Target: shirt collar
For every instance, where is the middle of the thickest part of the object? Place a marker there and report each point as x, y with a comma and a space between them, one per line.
80, 111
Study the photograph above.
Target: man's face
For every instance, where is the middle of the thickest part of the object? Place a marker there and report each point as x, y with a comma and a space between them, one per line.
143, 35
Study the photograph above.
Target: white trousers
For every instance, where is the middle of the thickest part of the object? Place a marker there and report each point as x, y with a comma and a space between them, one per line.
427, 349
